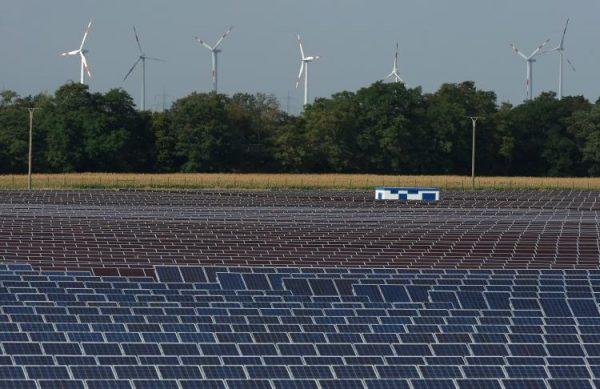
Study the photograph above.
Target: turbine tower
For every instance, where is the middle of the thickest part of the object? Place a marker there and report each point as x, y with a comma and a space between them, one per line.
530, 59
304, 61
81, 52
215, 56
394, 74
141, 59
560, 49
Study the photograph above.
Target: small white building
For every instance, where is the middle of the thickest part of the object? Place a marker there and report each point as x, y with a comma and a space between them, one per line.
414, 194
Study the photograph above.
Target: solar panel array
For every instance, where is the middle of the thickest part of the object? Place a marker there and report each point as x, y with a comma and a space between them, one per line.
300, 328
298, 289
128, 233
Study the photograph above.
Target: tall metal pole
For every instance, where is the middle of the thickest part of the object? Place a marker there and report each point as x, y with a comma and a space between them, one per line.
143, 83
529, 79
81, 76
474, 121
215, 53
306, 83
560, 75
31, 111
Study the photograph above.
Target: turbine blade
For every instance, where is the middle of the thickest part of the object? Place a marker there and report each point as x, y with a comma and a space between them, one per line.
137, 39
85, 65
203, 43
85, 34
301, 48
517, 51
562, 39
131, 70
300, 75
540, 47
571, 65
223, 37
156, 59
69, 53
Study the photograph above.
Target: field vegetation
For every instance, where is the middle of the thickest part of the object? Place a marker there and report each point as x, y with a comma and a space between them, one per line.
283, 181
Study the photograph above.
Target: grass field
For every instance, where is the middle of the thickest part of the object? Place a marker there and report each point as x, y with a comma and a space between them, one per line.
282, 181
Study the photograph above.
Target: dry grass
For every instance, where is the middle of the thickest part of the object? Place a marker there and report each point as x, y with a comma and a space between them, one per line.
281, 181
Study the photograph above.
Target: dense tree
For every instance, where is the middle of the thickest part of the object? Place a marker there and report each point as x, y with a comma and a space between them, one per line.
383, 128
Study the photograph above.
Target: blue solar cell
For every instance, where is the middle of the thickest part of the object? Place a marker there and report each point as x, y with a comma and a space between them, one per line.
218, 349
62, 348
11, 373
21, 348
248, 384
232, 281
584, 307
297, 349
335, 349
371, 291
180, 372
47, 372
479, 384
295, 384
267, 372
141, 349
155, 384
527, 350
569, 372
297, 286
136, 372
223, 372
433, 384
108, 384
61, 384
356, 371
526, 372
482, 371
565, 350
256, 281
92, 372
317, 372
323, 287
341, 384
180, 349
168, 274
193, 274
555, 308
397, 372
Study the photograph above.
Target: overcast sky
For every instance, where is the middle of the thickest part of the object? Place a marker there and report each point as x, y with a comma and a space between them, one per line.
440, 41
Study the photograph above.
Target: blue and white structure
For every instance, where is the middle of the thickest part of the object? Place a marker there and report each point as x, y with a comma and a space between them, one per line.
414, 194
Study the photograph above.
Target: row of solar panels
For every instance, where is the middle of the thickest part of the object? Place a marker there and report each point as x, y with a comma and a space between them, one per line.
278, 338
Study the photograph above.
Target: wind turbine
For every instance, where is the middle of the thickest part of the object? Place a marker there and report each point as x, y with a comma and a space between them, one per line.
394, 74
530, 60
561, 53
215, 56
81, 52
141, 59
304, 61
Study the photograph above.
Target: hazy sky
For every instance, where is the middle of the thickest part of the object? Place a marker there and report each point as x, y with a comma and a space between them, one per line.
440, 41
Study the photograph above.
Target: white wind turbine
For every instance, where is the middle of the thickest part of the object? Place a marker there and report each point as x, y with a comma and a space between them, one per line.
530, 59
304, 61
215, 54
81, 52
394, 74
560, 49
142, 58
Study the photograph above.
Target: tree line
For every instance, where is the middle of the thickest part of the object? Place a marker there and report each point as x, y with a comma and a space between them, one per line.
383, 128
